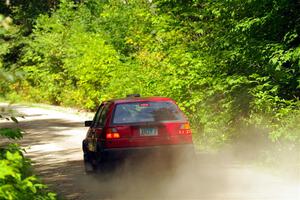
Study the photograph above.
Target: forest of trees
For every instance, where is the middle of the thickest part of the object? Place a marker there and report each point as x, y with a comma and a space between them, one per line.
232, 65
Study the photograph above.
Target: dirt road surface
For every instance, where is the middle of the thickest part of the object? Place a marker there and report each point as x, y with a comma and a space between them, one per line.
53, 140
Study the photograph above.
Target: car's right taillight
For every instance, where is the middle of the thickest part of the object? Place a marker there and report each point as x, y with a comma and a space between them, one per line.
112, 133
185, 129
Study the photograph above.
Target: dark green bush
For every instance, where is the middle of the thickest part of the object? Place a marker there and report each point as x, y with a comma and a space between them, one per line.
231, 65
16, 178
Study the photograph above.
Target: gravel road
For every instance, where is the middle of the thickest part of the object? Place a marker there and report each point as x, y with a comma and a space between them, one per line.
53, 141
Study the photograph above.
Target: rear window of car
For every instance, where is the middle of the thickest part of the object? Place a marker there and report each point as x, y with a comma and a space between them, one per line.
139, 112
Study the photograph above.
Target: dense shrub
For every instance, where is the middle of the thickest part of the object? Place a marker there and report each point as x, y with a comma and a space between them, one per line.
231, 65
16, 178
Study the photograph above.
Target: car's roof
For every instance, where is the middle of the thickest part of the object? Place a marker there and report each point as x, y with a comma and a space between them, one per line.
139, 99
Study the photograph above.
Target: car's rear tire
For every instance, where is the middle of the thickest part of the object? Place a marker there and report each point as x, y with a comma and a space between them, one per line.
90, 160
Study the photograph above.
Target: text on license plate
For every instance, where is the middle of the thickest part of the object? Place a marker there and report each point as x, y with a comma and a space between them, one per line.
148, 132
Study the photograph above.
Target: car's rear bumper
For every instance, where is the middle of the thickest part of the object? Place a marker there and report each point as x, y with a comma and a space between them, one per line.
117, 153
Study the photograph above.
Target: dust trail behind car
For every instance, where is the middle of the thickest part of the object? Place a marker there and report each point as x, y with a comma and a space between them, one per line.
55, 136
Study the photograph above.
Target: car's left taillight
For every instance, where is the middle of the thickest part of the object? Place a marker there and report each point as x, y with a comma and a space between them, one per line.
112, 133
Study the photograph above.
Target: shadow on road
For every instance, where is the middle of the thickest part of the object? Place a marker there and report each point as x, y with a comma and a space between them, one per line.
43, 131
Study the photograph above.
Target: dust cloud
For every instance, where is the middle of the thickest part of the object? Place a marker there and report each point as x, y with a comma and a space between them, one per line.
54, 139
205, 176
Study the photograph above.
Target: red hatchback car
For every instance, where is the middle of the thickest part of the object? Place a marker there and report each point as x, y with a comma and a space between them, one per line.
132, 125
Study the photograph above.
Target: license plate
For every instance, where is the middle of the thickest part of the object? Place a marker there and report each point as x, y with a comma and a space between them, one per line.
148, 132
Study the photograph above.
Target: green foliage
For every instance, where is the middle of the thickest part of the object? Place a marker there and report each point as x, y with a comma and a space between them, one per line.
9, 43
230, 65
16, 178
11, 133
16, 181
